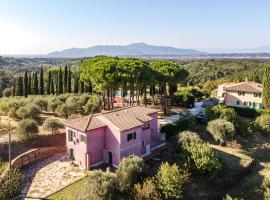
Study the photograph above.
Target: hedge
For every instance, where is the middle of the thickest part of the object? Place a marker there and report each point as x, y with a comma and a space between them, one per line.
246, 112
176, 127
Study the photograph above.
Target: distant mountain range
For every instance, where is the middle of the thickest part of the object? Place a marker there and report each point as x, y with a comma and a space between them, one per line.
135, 49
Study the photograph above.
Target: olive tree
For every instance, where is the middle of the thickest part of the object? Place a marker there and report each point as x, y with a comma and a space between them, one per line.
52, 124
129, 172
28, 111
146, 191
221, 130
66, 109
27, 129
263, 122
7, 92
93, 105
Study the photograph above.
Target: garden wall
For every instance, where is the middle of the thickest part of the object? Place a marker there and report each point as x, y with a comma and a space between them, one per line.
34, 155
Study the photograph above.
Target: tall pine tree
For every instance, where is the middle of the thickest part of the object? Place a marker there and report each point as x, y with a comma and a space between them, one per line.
266, 88
60, 82
19, 87
35, 86
49, 82
41, 82
69, 81
25, 80
66, 79
52, 87
29, 86
76, 85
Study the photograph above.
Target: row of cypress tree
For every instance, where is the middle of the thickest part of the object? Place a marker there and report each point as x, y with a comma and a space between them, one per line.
33, 83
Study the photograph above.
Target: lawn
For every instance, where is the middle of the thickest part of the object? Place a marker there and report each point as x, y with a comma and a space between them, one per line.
69, 192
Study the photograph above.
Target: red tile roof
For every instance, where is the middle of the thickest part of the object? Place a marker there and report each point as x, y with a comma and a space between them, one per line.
124, 119
245, 87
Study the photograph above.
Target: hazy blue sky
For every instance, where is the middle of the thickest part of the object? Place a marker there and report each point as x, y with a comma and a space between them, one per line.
41, 26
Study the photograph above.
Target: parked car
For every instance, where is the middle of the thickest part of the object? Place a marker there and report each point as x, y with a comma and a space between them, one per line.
201, 117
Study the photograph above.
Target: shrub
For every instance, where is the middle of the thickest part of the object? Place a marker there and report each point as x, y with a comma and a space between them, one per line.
221, 130
244, 127
100, 186
27, 129
170, 180
93, 105
42, 103
52, 124
220, 111
28, 111
174, 128
263, 122
266, 188
186, 138
10, 184
246, 112
12, 113
129, 172
66, 109
53, 104
228, 197
146, 191
201, 159
7, 92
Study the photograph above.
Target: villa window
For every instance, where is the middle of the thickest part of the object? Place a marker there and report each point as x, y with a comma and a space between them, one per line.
237, 102
245, 103
240, 93
131, 136
257, 94
71, 135
82, 138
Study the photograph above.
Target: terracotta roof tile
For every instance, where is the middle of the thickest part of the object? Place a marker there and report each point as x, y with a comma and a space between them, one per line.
124, 118
245, 87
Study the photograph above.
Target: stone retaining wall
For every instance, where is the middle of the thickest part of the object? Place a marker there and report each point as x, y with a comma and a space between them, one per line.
35, 155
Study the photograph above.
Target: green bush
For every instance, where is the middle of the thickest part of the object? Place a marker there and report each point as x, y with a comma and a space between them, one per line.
202, 160
10, 184
263, 122
186, 138
42, 103
129, 172
28, 111
266, 188
221, 130
220, 111
176, 127
100, 186
53, 104
146, 191
27, 129
66, 109
244, 127
200, 157
246, 112
93, 105
170, 180
7, 92
52, 125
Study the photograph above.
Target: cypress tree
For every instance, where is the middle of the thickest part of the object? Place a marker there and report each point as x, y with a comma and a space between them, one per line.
41, 82
60, 82
76, 85
81, 87
266, 88
52, 87
19, 87
25, 80
69, 81
56, 85
49, 83
35, 86
14, 88
29, 87
66, 79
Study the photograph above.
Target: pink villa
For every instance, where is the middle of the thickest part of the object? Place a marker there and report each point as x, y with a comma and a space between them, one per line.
110, 136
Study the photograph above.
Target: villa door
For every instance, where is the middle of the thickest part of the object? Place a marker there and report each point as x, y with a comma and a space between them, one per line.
110, 158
